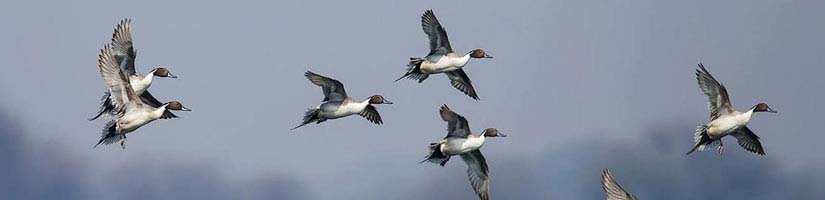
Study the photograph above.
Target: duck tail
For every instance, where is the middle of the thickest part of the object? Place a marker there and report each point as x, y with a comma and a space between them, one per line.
414, 70
702, 139
105, 105
109, 134
435, 155
310, 116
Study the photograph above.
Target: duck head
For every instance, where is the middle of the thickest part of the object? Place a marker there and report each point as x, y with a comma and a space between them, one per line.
492, 132
175, 105
163, 72
478, 53
763, 107
378, 99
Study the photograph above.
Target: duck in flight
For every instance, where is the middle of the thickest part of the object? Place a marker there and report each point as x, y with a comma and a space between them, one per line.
130, 111
459, 141
724, 119
125, 56
612, 189
442, 58
337, 104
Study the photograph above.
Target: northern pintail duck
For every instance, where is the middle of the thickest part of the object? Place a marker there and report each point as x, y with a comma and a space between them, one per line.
612, 189
131, 113
125, 55
337, 104
724, 119
460, 141
442, 58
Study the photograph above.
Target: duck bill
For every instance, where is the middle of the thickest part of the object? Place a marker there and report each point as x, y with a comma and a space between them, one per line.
185, 109
771, 111
387, 102
501, 134
169, 75
488, 56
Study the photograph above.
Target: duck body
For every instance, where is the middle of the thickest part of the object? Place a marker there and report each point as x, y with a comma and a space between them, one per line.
135, 119
446, 63
728, 124
458, 146
338, 109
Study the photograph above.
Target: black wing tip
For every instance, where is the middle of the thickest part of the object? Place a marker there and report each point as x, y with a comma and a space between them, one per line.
759, 151
474, 96
444, 107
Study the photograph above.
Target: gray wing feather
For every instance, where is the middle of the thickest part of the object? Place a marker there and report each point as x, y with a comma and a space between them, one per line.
612, 189
748, 140
718, 100
122, 95
462, 82
477, 172
457, 125
371, 114
333, 89
122, 45
439, 44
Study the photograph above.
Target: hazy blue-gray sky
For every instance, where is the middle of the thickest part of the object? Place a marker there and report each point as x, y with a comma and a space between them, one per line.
578, 86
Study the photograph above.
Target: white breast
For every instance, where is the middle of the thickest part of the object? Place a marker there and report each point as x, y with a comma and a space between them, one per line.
456, 146
133, 121
444, 64
726, 124
345, 110
140, 84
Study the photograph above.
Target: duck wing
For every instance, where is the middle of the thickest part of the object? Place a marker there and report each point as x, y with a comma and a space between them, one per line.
122, 44
462, 82
457, 125
718, 100
333, 89
612, 189
748, 140
371, 114
477, 172
122, 95
439, 44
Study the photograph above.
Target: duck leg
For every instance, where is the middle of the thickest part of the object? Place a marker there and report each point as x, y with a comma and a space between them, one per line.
123, 142
720, 148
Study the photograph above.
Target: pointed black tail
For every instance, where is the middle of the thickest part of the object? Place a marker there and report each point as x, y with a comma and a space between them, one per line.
435, 155
109, 134
105, 106
310, 116
701, 138
414, 70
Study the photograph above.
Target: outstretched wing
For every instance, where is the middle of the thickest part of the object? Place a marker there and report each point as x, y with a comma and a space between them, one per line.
439, 44
718, 100
371, 114
333, 89
478, 172
122, 46
612, 189
457, 125
748, 140
460, 81
150, 100
122, 95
